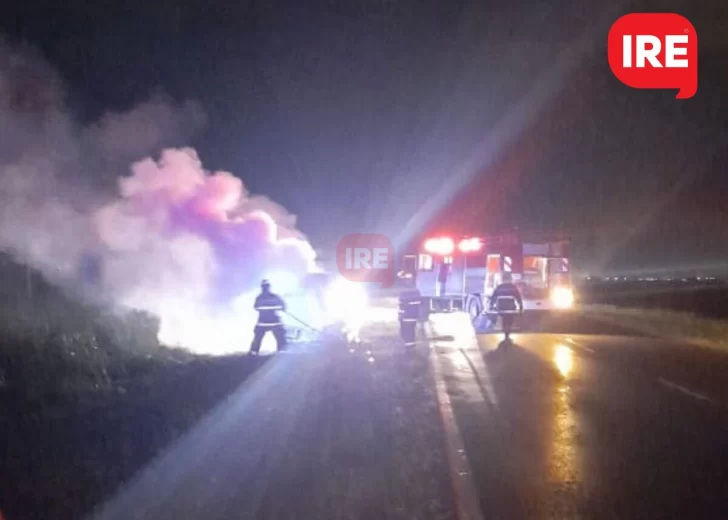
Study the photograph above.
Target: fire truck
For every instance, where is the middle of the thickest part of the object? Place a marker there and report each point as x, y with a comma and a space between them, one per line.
461, 274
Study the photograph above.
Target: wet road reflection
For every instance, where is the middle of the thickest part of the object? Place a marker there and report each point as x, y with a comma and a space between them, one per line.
562, 459
551, 427
515, 404
564, 360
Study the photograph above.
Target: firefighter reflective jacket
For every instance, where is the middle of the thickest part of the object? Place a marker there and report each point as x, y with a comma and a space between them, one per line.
508, 293
409, 306
268, 304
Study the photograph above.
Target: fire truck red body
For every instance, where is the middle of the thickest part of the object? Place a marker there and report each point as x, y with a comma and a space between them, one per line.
461, 273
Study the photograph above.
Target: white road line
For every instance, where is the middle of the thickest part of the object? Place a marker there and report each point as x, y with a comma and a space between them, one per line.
480, 375
466, 498
686, 391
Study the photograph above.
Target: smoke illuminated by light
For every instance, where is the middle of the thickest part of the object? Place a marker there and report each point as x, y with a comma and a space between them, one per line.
191, 247
171, 238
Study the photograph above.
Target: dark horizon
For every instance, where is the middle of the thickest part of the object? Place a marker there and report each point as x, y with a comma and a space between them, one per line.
401, 117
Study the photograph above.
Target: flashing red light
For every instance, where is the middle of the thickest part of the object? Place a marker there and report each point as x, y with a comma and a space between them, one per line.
470, 245
442, 246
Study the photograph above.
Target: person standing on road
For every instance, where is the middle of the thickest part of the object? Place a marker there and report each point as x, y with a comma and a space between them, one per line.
409, 314
268, 304
507, 301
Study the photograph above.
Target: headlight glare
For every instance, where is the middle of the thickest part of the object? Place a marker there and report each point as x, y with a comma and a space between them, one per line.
562, 297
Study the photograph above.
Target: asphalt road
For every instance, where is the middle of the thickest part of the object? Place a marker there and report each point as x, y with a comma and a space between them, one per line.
567, 424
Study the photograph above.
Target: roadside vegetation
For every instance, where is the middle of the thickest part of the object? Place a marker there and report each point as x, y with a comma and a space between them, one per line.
676, 325
688, 310
703, 297
88, 396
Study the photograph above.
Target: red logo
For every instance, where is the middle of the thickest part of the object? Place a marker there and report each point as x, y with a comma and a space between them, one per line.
655, 50
366, 258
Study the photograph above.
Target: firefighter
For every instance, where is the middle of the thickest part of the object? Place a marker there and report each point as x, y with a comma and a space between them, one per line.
506, 301
409, 314
442, 275
268, 304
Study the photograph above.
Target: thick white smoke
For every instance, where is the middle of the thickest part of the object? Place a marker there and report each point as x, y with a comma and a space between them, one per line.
192, 246
185, 244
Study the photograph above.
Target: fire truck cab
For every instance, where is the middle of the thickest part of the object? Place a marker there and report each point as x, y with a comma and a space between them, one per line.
462, 274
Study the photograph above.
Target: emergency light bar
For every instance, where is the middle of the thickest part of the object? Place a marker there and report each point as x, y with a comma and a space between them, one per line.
445, 246
470, 245
440, 246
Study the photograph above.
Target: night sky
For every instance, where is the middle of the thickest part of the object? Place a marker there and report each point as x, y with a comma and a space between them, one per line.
401, 116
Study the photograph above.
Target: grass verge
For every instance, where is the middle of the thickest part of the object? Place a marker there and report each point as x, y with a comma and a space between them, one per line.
674, 325
88, 397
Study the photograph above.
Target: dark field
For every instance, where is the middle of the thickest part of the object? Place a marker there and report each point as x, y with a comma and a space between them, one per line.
88, 396
60, 458
706, 299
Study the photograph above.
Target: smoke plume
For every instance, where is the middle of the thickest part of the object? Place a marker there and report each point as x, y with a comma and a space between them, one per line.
170, 238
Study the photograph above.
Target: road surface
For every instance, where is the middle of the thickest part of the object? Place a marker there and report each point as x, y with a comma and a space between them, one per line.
555, 426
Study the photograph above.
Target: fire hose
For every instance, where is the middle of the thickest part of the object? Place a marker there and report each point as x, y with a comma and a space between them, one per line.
299, 320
